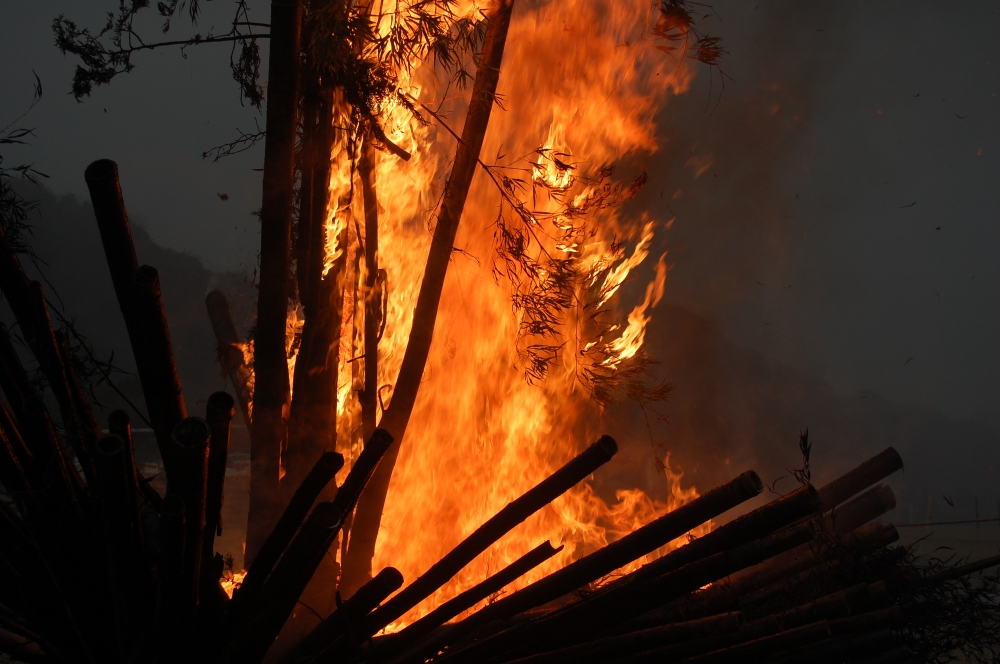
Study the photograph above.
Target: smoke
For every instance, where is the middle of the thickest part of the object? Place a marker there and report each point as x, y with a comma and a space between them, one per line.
749, 332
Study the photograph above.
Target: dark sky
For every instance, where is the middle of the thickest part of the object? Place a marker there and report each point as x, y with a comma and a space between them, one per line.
849, 225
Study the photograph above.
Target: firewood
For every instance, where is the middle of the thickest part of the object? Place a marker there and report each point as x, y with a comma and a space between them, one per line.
858, 511
656, 534
840, 649
258, 624
322, 472
496, 527
190, 451
333, 626
120, 425
753, 649
138, 292
174, 613
868, 473
399, 642
219, 413
613, 648
110, 461
602, 614
229, 355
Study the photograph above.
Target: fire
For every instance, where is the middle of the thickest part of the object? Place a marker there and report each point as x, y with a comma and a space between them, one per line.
231, 581
577, 75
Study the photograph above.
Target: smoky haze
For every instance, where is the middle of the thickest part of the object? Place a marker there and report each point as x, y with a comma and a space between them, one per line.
836, 225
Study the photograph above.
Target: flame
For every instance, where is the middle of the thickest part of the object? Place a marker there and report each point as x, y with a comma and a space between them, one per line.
576, 74
230, 581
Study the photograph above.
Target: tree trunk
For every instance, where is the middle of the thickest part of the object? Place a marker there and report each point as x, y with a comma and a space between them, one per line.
369, 511
271, 389
312, 426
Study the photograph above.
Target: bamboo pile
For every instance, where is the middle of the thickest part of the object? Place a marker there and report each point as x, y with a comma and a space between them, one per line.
96, 566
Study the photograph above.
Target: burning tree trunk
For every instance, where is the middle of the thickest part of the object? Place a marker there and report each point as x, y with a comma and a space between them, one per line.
230, 355
271, 388
357, 564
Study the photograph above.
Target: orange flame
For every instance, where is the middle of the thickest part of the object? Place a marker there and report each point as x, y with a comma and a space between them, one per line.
575, 74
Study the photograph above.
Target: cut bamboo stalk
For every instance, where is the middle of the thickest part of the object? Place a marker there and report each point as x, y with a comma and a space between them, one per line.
333, 626
401, 641
496, 527
173, 611
120, 424
615, 647
110, 462
138, 292
602, 614
396, 418
638, 543
841, 649
858, 511
298, 507
219, 413
27, 301
229, 355
190, 451
868, 473
266, 612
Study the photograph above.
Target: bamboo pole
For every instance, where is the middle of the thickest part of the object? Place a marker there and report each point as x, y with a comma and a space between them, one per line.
417, 630
858, 511
333, 626
368, 397
298, 507
600, 615
120, 424
397, 416
173, 610
496, 527
230, 356
266, 612
613, 648
110, 461
139, 298
638, 543
271, 388
190, 451
860, 478
219, 413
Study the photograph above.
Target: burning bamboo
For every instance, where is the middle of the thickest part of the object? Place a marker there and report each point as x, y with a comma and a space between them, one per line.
466, 600
337, 623
266, 611
230, 356
302, 501
501, 523
596, 617
397, 416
